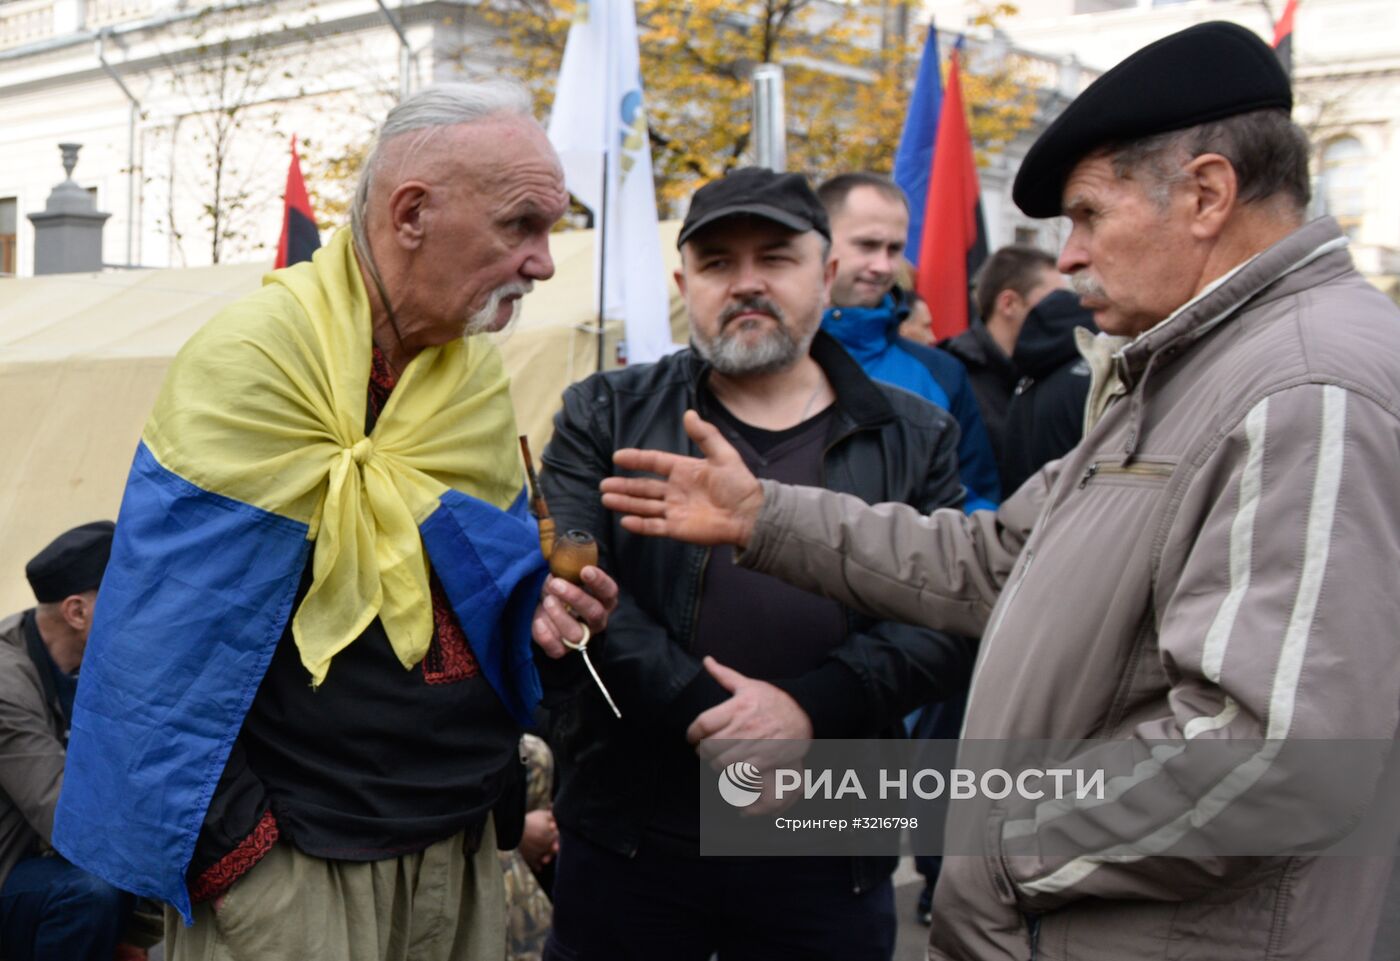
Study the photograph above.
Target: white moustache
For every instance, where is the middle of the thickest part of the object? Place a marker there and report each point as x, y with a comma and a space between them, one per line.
1086, 286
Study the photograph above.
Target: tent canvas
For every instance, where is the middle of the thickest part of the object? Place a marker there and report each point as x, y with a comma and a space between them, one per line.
82, 357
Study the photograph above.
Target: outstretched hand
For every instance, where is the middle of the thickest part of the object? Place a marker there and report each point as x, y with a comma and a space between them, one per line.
709, 501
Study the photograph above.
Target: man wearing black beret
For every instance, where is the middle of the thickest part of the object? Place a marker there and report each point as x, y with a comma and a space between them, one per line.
1204, 585
48, 907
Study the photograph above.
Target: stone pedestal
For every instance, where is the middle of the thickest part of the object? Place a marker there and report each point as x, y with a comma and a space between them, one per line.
68, 233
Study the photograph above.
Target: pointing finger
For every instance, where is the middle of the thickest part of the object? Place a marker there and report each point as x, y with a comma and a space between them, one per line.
728, 678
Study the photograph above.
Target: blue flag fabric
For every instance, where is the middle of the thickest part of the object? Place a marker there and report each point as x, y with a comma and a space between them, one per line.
913, 161
197, 594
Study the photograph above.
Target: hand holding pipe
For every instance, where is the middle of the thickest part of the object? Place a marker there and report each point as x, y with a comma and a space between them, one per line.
568, 555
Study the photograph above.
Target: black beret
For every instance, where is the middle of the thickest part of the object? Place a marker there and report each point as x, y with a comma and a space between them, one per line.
73, 563
1203, 73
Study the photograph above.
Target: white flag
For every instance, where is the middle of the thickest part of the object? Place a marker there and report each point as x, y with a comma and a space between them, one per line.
598, 111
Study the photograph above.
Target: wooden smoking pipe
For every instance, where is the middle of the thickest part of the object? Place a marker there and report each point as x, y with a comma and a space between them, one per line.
568, 553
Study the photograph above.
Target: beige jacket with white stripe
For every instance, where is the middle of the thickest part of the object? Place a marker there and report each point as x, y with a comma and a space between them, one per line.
1217, 559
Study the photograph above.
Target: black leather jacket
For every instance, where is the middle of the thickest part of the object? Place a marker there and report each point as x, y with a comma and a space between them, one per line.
886, 445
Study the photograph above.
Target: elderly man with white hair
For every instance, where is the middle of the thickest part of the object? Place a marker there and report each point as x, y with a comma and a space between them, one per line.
313, 659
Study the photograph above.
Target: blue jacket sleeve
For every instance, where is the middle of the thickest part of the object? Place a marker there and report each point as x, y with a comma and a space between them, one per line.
977, 466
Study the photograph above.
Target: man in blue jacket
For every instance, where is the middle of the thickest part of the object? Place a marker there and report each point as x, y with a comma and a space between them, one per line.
869, 222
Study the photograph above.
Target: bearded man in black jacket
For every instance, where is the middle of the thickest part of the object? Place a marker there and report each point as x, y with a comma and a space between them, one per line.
699, 650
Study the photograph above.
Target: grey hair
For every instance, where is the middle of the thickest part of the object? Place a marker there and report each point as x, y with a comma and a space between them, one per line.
1267, 149
425, 113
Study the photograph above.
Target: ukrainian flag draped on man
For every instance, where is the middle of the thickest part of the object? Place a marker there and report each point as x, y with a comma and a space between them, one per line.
254, 461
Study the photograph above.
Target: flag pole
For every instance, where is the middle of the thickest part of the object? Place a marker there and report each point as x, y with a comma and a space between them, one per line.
602, 257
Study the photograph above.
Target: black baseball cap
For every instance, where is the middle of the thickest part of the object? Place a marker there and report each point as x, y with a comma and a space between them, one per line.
73, 563
1207, 72
785, 199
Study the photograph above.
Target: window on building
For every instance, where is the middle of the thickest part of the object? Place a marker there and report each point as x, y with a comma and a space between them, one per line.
1343, 182
9, 231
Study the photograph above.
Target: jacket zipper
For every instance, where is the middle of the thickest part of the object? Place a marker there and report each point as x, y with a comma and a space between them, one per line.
698, 581
1110, 469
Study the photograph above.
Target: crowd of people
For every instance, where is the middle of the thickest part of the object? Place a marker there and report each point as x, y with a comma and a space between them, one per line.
330, 702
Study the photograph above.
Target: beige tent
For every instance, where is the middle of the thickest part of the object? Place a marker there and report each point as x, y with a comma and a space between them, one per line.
82, 357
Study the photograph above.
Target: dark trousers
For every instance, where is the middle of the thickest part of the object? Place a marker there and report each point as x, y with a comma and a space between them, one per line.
657, 906
941, 720
50, 909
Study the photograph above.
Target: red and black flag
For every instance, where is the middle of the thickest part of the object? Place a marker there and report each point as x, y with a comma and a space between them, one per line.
299, 239
955, 240
1283, 37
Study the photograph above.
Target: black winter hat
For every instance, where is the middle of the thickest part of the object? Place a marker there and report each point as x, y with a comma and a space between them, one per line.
1207, 72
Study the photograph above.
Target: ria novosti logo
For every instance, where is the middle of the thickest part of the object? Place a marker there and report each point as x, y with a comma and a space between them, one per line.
740, 784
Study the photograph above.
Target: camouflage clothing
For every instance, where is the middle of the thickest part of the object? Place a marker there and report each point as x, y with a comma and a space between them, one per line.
528, 908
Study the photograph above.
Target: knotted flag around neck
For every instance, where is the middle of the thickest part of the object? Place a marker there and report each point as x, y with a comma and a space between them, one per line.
253, 464
272, 414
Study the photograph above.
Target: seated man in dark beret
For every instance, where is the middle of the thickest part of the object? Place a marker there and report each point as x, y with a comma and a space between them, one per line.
1204, 585
48, 907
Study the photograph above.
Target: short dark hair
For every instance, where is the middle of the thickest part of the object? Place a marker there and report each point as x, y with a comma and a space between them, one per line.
833, 193
1267, 149
1014, 267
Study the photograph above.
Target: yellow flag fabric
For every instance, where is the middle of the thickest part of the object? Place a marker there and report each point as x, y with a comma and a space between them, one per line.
266, 405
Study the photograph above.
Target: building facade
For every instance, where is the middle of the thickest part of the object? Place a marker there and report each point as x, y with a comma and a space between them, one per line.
1346, 74
185, 112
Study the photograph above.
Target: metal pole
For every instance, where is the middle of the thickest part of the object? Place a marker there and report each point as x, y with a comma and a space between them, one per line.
602, 258
769, 122
404, 49
135, 108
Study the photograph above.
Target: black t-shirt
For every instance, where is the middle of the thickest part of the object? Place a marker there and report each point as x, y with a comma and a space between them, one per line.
754, 623
758, 625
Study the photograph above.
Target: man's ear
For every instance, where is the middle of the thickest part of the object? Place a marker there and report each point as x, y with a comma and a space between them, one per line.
679, 275
1214, 190
77, 611
1005, 302
828, 277
406, 206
